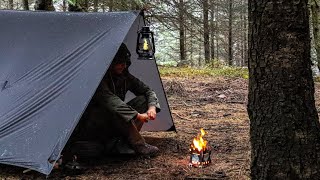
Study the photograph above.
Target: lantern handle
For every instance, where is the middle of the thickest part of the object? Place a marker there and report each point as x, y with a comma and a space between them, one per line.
143, 15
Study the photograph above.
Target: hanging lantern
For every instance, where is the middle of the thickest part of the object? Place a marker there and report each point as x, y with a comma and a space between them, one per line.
145, 44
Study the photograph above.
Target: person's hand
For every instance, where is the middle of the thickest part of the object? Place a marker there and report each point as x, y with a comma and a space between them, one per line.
152, 113
143, 117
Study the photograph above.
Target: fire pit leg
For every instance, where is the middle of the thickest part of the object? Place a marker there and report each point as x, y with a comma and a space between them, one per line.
190, 161
201, 159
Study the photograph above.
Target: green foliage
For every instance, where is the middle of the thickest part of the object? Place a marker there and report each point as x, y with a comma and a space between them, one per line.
233, 72
167, 63
216, 64
316, 79
73, 2
140, 3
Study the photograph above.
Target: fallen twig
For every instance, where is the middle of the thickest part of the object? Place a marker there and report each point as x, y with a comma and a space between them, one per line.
181, 116
235, 102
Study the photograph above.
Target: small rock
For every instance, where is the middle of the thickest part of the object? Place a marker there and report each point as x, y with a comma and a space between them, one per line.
225, 115
222, 96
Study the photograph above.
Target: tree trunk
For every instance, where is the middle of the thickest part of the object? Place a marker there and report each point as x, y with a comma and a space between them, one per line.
45, 5
10, 4
200, 58
64, 6
95, 5
182, 31
230, 53
206, 37
315, 24
77, 7
242, 35
25, 5
284, 124
212, 26
245, 35
110, 4
191, 46
103, 6
217, 34
83, 5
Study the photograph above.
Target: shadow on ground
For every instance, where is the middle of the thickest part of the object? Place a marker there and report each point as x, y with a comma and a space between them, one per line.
106, 165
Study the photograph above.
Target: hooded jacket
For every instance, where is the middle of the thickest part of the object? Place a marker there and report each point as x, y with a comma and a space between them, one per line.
113, 89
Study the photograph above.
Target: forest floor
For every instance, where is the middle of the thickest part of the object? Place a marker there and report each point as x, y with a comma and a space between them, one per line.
216, 104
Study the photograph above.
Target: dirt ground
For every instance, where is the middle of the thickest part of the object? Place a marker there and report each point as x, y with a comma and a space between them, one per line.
216, 104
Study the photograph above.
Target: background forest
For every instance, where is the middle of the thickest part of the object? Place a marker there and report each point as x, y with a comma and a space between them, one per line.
188, 32
195, 33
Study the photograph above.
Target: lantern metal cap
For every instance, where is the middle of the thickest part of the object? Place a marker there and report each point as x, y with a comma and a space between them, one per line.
145, 29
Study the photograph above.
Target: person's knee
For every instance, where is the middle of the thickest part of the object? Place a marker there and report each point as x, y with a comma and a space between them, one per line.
141, 99
139, 103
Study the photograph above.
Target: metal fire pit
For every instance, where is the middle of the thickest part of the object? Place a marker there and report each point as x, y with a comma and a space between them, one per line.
200, 159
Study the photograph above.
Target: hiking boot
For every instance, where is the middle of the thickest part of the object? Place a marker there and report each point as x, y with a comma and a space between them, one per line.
146, 149
118, 146
123, 148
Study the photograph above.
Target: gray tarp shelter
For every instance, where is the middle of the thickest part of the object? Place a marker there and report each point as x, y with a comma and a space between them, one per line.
50, 66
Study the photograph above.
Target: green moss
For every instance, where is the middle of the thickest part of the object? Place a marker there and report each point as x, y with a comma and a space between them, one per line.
233, 72
317, 79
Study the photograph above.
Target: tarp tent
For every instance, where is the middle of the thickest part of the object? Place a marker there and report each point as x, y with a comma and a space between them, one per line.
50, 66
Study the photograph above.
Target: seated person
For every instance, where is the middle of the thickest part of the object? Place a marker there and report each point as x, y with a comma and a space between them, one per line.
108, 116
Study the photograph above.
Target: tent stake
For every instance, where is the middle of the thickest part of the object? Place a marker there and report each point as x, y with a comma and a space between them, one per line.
27, 170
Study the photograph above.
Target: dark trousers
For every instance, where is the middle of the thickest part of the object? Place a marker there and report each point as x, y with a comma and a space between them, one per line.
97, 124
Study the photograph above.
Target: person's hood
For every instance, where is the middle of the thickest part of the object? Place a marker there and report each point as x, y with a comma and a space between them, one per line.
123, 55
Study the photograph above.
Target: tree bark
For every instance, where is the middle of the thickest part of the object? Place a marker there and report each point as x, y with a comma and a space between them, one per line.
111, 4
230, 53
25, 5
182, 31
103, 6
45, 5
206, 38
77, 7
10, 4
64, 6
242, 35
83, 5
212, 28
217, 34
284, 124
191, 46
95, 5
245, 35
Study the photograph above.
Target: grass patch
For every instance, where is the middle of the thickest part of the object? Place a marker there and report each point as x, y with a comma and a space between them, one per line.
233, 72
316, 79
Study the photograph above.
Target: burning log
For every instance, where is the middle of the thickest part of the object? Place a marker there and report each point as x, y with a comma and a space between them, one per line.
200, 151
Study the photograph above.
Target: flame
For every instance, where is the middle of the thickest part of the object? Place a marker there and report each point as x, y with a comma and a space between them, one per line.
199, 143
145, 45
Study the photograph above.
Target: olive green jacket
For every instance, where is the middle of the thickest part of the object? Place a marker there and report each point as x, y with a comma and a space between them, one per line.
112, 91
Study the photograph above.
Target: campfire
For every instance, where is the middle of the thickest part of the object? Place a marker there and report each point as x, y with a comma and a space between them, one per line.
200, 151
